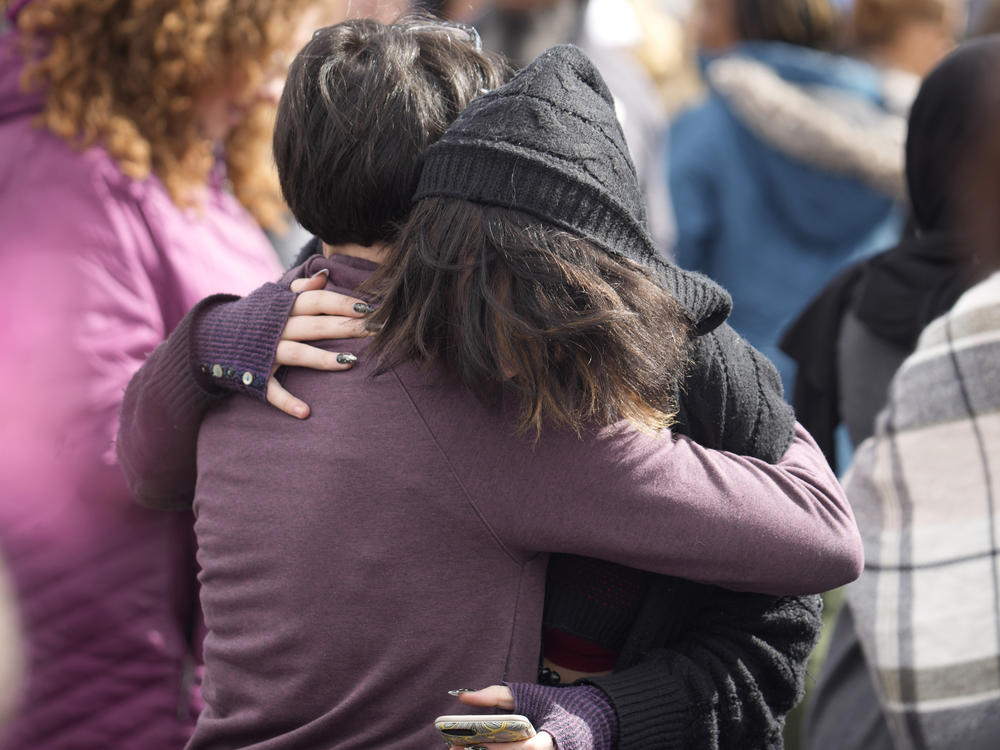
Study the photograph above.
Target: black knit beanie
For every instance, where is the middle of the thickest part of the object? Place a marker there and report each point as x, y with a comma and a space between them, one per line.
548, 143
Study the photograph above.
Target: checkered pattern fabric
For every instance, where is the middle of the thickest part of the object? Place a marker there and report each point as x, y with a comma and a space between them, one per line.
925, 490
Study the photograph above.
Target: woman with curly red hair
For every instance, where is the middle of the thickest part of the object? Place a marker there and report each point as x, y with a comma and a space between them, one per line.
135, 175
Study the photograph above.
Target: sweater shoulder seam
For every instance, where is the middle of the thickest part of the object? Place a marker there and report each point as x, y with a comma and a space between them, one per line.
458, 480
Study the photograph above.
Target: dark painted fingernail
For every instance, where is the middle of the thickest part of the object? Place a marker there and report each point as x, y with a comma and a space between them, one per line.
458, 692
477, 747
373, 327
321, 272
363, 307
346, 359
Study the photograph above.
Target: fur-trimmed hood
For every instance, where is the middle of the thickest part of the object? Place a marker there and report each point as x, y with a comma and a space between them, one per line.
789, 170
825, 111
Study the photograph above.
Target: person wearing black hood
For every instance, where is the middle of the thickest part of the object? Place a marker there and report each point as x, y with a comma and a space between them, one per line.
876, 309
854, 337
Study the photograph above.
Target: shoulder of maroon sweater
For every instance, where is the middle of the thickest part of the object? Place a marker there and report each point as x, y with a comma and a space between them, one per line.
658, 502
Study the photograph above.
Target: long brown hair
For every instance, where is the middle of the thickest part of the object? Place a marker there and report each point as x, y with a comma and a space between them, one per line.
127, 74
507, 303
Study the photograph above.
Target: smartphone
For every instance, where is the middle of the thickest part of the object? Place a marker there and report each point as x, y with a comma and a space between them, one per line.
479, 729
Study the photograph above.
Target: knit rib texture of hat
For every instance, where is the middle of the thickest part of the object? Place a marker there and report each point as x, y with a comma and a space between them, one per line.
548, 143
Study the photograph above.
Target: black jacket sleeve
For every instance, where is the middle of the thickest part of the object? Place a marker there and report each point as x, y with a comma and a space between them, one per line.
726, 672
732, 398
726, 680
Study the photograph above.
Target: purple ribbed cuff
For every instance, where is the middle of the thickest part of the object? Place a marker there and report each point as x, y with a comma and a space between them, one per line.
579, 717
651, 704
234, 340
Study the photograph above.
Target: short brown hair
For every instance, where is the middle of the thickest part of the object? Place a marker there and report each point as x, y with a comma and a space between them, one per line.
362, 103
505, 302
127, 74
806, 23
876, 22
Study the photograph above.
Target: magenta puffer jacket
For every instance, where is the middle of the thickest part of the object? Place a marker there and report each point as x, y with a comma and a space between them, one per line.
96, 269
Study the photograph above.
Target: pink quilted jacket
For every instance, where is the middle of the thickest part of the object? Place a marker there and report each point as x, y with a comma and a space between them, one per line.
96, 270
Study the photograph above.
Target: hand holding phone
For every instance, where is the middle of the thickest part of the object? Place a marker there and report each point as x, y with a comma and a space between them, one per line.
479, 729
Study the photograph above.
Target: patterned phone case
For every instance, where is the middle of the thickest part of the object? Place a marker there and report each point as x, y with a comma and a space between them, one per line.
479, 730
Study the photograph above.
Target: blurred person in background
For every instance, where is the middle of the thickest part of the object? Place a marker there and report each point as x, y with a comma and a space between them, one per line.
523, 29
11, 655
853, 336
986, 19
905, 39
850, 344
790, 168
125, 128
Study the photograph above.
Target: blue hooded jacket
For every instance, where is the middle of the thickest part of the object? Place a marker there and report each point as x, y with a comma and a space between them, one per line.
789, 170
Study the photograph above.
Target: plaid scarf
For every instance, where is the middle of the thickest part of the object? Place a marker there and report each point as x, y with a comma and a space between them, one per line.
925, 490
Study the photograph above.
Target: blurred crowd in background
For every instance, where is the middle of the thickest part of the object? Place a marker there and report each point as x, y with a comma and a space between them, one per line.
776, 145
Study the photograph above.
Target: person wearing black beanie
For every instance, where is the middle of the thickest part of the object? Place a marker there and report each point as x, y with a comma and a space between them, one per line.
548, 145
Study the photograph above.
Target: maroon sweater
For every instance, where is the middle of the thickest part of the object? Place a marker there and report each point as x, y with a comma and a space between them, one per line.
402, 495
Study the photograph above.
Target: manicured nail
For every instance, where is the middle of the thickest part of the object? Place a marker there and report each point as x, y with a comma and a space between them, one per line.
373, 327
346, 359
321, 272
363, 307
458, 692
477, 747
